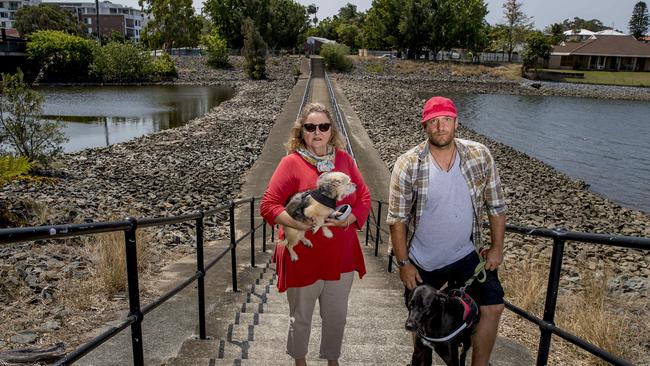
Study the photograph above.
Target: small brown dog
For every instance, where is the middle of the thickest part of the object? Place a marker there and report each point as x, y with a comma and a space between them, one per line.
314, 207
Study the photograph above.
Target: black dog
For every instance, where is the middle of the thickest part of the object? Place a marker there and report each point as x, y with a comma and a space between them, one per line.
441, 322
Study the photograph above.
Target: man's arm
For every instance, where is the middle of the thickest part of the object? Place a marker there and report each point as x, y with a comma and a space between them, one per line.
494, 256
407, 273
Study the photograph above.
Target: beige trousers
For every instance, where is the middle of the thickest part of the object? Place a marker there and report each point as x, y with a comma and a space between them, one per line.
333, 301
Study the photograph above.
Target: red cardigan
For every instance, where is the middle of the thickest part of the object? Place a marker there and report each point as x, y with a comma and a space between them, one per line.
329, 257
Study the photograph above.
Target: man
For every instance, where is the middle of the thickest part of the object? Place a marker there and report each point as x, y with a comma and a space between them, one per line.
439, 189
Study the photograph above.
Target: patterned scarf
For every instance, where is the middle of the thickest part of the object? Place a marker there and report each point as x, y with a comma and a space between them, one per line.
323, 163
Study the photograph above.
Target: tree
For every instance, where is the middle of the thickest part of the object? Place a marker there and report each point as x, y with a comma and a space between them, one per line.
555, 32
640, 20
174, 24
312, 9
254, 50
414, 26
288, 21
537, 46
381, 25
22, 131
517, 25
469, 26
593, 25
47, 17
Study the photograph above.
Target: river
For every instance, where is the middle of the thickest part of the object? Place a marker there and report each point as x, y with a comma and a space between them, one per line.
102, 115
605, 143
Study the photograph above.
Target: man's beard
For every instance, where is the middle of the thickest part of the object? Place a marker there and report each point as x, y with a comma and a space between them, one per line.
442, 143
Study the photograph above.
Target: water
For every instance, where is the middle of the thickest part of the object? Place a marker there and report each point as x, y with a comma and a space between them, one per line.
99, 116
605, 143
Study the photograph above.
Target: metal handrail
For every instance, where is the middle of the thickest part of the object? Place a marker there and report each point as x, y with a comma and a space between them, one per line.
340, 120
560, 237
129, 227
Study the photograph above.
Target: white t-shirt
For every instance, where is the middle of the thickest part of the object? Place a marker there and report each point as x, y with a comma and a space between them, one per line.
443, 235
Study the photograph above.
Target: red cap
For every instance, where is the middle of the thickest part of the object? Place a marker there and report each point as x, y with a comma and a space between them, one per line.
438, 106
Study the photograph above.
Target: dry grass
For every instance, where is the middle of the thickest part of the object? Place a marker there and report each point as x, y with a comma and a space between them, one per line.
591, 313
110, 254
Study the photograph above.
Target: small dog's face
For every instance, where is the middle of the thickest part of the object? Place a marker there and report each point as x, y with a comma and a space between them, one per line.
424, 303
336, 185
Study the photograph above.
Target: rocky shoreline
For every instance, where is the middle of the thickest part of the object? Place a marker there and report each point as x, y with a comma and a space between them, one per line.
202, 164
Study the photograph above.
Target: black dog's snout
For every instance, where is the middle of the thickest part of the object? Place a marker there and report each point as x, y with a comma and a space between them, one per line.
410, 325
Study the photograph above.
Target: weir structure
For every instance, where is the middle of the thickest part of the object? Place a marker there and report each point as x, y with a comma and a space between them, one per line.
250, 329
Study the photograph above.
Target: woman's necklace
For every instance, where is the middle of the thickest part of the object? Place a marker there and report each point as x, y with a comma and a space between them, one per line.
448, 165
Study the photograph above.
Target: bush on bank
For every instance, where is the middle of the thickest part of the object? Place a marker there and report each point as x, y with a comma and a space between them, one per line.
217, 49
335, 56
67, 58
61, 56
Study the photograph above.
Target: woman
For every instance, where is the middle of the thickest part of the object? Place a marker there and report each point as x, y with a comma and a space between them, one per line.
325, 271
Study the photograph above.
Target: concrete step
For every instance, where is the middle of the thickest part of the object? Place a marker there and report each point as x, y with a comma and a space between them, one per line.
176, 361
280, 321
385, 353
353, 335
217, 348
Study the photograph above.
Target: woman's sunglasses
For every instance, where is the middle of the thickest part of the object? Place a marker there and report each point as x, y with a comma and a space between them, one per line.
323, 127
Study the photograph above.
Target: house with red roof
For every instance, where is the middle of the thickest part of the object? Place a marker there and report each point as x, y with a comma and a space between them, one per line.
602, 52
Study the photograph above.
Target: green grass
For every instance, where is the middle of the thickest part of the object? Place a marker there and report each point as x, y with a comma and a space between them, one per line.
625, 78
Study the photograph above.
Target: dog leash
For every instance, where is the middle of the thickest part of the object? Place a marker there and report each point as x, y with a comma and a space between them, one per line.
479, 272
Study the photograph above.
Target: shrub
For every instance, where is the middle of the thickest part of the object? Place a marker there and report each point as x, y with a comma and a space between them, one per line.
335, 56
121, 62
60, 56
164, 67
254, 51
22, 131
217, 49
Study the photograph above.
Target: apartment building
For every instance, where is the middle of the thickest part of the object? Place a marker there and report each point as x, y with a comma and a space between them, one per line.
8, 10
112, 17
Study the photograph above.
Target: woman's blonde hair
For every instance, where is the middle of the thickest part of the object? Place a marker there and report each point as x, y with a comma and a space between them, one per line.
295, 136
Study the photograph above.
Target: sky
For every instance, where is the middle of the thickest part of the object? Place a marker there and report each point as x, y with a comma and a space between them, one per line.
613, 13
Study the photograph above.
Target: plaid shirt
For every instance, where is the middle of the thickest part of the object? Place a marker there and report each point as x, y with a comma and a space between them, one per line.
410, 182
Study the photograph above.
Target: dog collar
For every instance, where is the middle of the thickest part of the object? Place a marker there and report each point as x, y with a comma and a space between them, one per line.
322, 199
470, 309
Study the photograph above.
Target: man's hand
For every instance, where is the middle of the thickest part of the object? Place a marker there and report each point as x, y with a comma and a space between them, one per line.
410, 276
493, 258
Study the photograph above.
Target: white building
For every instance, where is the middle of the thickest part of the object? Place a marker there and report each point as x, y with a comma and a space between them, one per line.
8, 10
112, 17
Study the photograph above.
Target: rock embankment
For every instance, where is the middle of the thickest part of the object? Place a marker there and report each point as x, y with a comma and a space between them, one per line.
172, 172
537, 194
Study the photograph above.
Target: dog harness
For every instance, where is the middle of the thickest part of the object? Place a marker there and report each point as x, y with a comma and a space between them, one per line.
322, 199
470, 316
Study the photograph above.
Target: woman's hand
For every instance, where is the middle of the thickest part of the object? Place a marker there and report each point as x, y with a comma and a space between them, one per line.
285, 219
341, 223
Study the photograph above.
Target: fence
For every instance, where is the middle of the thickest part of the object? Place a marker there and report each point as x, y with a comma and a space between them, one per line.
560, 238
129, 227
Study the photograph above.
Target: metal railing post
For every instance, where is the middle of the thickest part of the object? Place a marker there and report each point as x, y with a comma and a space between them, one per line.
233, 246
272, 233
378, 219
368, 226
390, 261
551, 301
130, 243
264, 236
253, 232
200, 268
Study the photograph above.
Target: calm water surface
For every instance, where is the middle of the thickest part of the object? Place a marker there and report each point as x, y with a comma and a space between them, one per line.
99, 116
605, 143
